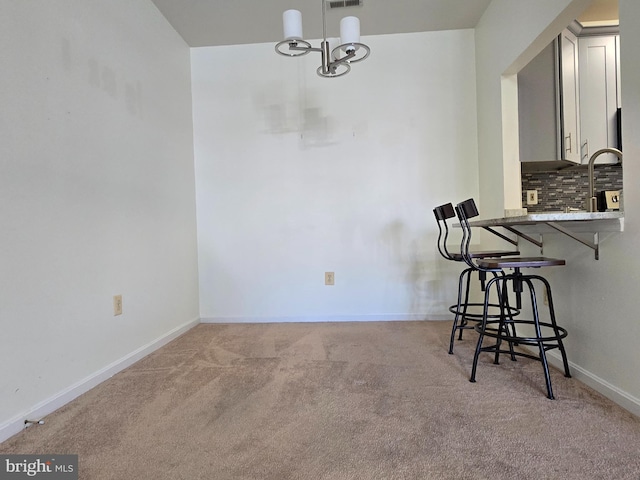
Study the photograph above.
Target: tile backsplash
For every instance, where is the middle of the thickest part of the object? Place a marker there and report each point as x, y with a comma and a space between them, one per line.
568, 188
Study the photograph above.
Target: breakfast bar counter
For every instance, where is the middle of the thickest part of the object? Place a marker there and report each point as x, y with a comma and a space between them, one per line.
572, 224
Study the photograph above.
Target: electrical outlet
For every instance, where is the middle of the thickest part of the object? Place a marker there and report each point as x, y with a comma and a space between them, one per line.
532, 197
329, 278
117, 305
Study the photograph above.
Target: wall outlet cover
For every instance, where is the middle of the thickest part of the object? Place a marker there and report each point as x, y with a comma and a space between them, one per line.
329, 278
117, 305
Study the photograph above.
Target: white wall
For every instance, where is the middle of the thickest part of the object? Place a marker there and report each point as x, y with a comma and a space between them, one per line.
595, 300
298, 175
97, 193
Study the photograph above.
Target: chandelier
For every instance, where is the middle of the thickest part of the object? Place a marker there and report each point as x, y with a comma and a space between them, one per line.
332, 64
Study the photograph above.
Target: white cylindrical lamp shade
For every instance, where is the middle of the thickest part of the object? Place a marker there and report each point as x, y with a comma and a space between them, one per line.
292, 22
349, 30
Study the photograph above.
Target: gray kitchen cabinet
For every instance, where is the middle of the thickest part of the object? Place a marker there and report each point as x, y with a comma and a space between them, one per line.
548, 104
598, 96
570, 115
538, 108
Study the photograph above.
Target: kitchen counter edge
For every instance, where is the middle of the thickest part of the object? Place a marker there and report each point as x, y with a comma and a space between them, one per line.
545, 217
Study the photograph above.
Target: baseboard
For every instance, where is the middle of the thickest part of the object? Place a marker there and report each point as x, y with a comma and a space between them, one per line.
613, 393
400, 317
16, 424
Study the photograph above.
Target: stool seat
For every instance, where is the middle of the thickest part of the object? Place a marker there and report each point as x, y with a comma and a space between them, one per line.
519, 262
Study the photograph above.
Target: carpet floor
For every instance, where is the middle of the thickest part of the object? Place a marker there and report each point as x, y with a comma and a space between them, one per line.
380, 400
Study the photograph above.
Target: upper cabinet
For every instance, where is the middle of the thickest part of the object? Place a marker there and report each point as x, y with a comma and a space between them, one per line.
549, 105
569, 91
598, 96
538, 104
568, 100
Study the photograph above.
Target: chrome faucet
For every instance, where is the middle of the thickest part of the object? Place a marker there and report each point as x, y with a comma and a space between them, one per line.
592, 201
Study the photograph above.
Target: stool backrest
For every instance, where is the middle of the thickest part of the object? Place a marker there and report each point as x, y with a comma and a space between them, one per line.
468, 207
466, 210
442, 214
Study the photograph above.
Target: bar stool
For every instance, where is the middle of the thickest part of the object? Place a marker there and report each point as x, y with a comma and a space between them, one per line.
461, 309
498, 328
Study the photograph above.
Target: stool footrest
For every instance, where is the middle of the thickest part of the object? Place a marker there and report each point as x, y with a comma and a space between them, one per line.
492, 349
502, 335
479, 315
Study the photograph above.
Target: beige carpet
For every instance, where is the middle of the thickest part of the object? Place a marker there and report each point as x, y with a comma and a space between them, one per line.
336, 401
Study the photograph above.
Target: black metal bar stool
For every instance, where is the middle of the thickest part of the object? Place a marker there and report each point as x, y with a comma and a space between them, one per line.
546, 335
463, 309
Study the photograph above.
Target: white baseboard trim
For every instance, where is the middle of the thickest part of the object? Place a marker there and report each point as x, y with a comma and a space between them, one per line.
400, 317
613, 393
16, 424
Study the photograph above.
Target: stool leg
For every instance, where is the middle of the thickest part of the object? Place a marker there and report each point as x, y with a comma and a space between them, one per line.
503, 325
541, 346
552, 315
507, 309
503, 301
465, 304
459, 319
484, 324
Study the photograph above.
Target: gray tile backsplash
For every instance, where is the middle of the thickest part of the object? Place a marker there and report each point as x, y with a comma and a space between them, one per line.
568, 188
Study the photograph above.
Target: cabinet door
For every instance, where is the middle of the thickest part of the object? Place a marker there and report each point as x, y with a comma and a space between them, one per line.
569, 88
598, 96
538, 108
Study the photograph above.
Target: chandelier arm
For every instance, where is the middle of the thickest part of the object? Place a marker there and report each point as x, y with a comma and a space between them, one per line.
346, 58
359, 50
308, 49
293, 48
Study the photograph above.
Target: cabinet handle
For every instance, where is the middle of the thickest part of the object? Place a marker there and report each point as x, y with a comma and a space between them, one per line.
585, 146
567, 149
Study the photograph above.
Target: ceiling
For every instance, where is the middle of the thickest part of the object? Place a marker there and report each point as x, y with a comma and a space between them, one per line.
228, 22
600, 12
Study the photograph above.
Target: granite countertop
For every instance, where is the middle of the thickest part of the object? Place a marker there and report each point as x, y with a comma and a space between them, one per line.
572, 224
546, 217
